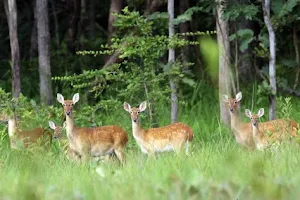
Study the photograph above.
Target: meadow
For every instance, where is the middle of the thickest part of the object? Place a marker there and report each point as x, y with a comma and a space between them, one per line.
217, 169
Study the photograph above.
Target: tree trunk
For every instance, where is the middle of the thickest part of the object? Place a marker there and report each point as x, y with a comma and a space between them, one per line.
153, 5
224, 61
44, 52
115, 7
74, 7
11, 13
33, 40
171, 60
92, 20
272, 59
56, 24
295, 40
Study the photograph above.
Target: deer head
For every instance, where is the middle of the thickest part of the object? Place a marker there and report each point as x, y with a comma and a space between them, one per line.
254, 118
68, 104
232, 103
57, 129
134, 112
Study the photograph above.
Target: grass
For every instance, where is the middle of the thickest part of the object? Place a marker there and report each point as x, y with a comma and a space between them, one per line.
217, 169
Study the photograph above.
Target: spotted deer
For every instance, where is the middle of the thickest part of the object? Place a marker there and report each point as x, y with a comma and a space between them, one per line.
168, 138
260, 139
92, 141
242, 131
63, 140
25, 138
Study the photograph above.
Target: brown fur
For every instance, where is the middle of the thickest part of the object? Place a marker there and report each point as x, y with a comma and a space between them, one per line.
27, 137
93, 142
243, 131
171, 137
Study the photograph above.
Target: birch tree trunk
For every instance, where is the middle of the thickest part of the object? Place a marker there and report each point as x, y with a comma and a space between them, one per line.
224, 61
44, 52
11, 13
272, 59
171, 60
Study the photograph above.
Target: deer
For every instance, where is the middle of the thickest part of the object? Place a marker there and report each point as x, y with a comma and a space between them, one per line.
242, 131
260, 140
24, 138
63, 140
162, 139
92, 141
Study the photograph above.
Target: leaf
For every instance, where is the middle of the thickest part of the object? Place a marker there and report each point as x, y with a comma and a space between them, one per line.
187, 15
158, 15
244, 44
189, 81
232, 37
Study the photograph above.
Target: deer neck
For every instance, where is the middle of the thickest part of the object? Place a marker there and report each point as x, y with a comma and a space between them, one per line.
257, 134
69, 125
259, 139
12, 126
137, 131
235, 120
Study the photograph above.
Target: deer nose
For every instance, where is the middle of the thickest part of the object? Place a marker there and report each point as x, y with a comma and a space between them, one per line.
254, 124
68, 113
231, 109
135, 120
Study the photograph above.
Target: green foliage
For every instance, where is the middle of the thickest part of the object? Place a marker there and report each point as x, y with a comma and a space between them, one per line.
245, 36
210, 51
142, 74
235, 11
187, 15
285, 107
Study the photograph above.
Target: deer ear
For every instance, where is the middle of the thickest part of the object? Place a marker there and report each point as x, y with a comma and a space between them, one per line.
261, 112
238, 96
60, 98
52, 125
75, 98
248, 113
127, 107
225, 98
143, 106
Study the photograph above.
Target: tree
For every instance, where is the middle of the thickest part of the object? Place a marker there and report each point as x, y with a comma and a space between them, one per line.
272, 59
11, 13
171, 60
74, 8
115, 7
44, 51
224, 59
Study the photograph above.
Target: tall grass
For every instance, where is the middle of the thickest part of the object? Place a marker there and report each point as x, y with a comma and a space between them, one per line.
217, 168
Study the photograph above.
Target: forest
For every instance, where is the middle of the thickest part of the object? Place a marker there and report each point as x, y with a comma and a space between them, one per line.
144, 99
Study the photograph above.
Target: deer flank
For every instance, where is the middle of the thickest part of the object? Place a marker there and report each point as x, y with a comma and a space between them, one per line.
168, 138
92, 142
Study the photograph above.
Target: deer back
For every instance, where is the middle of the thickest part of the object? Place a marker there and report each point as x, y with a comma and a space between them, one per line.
110, 135
172, 132
279, 128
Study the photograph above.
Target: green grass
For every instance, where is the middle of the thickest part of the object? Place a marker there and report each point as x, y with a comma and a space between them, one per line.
217, 168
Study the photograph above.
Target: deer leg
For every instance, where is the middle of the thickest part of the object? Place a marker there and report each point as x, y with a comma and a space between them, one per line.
120, 154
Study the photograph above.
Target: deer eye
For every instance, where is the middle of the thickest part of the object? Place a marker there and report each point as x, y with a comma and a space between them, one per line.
72, 104
64, 104
131, 112
138, 111
235, 102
